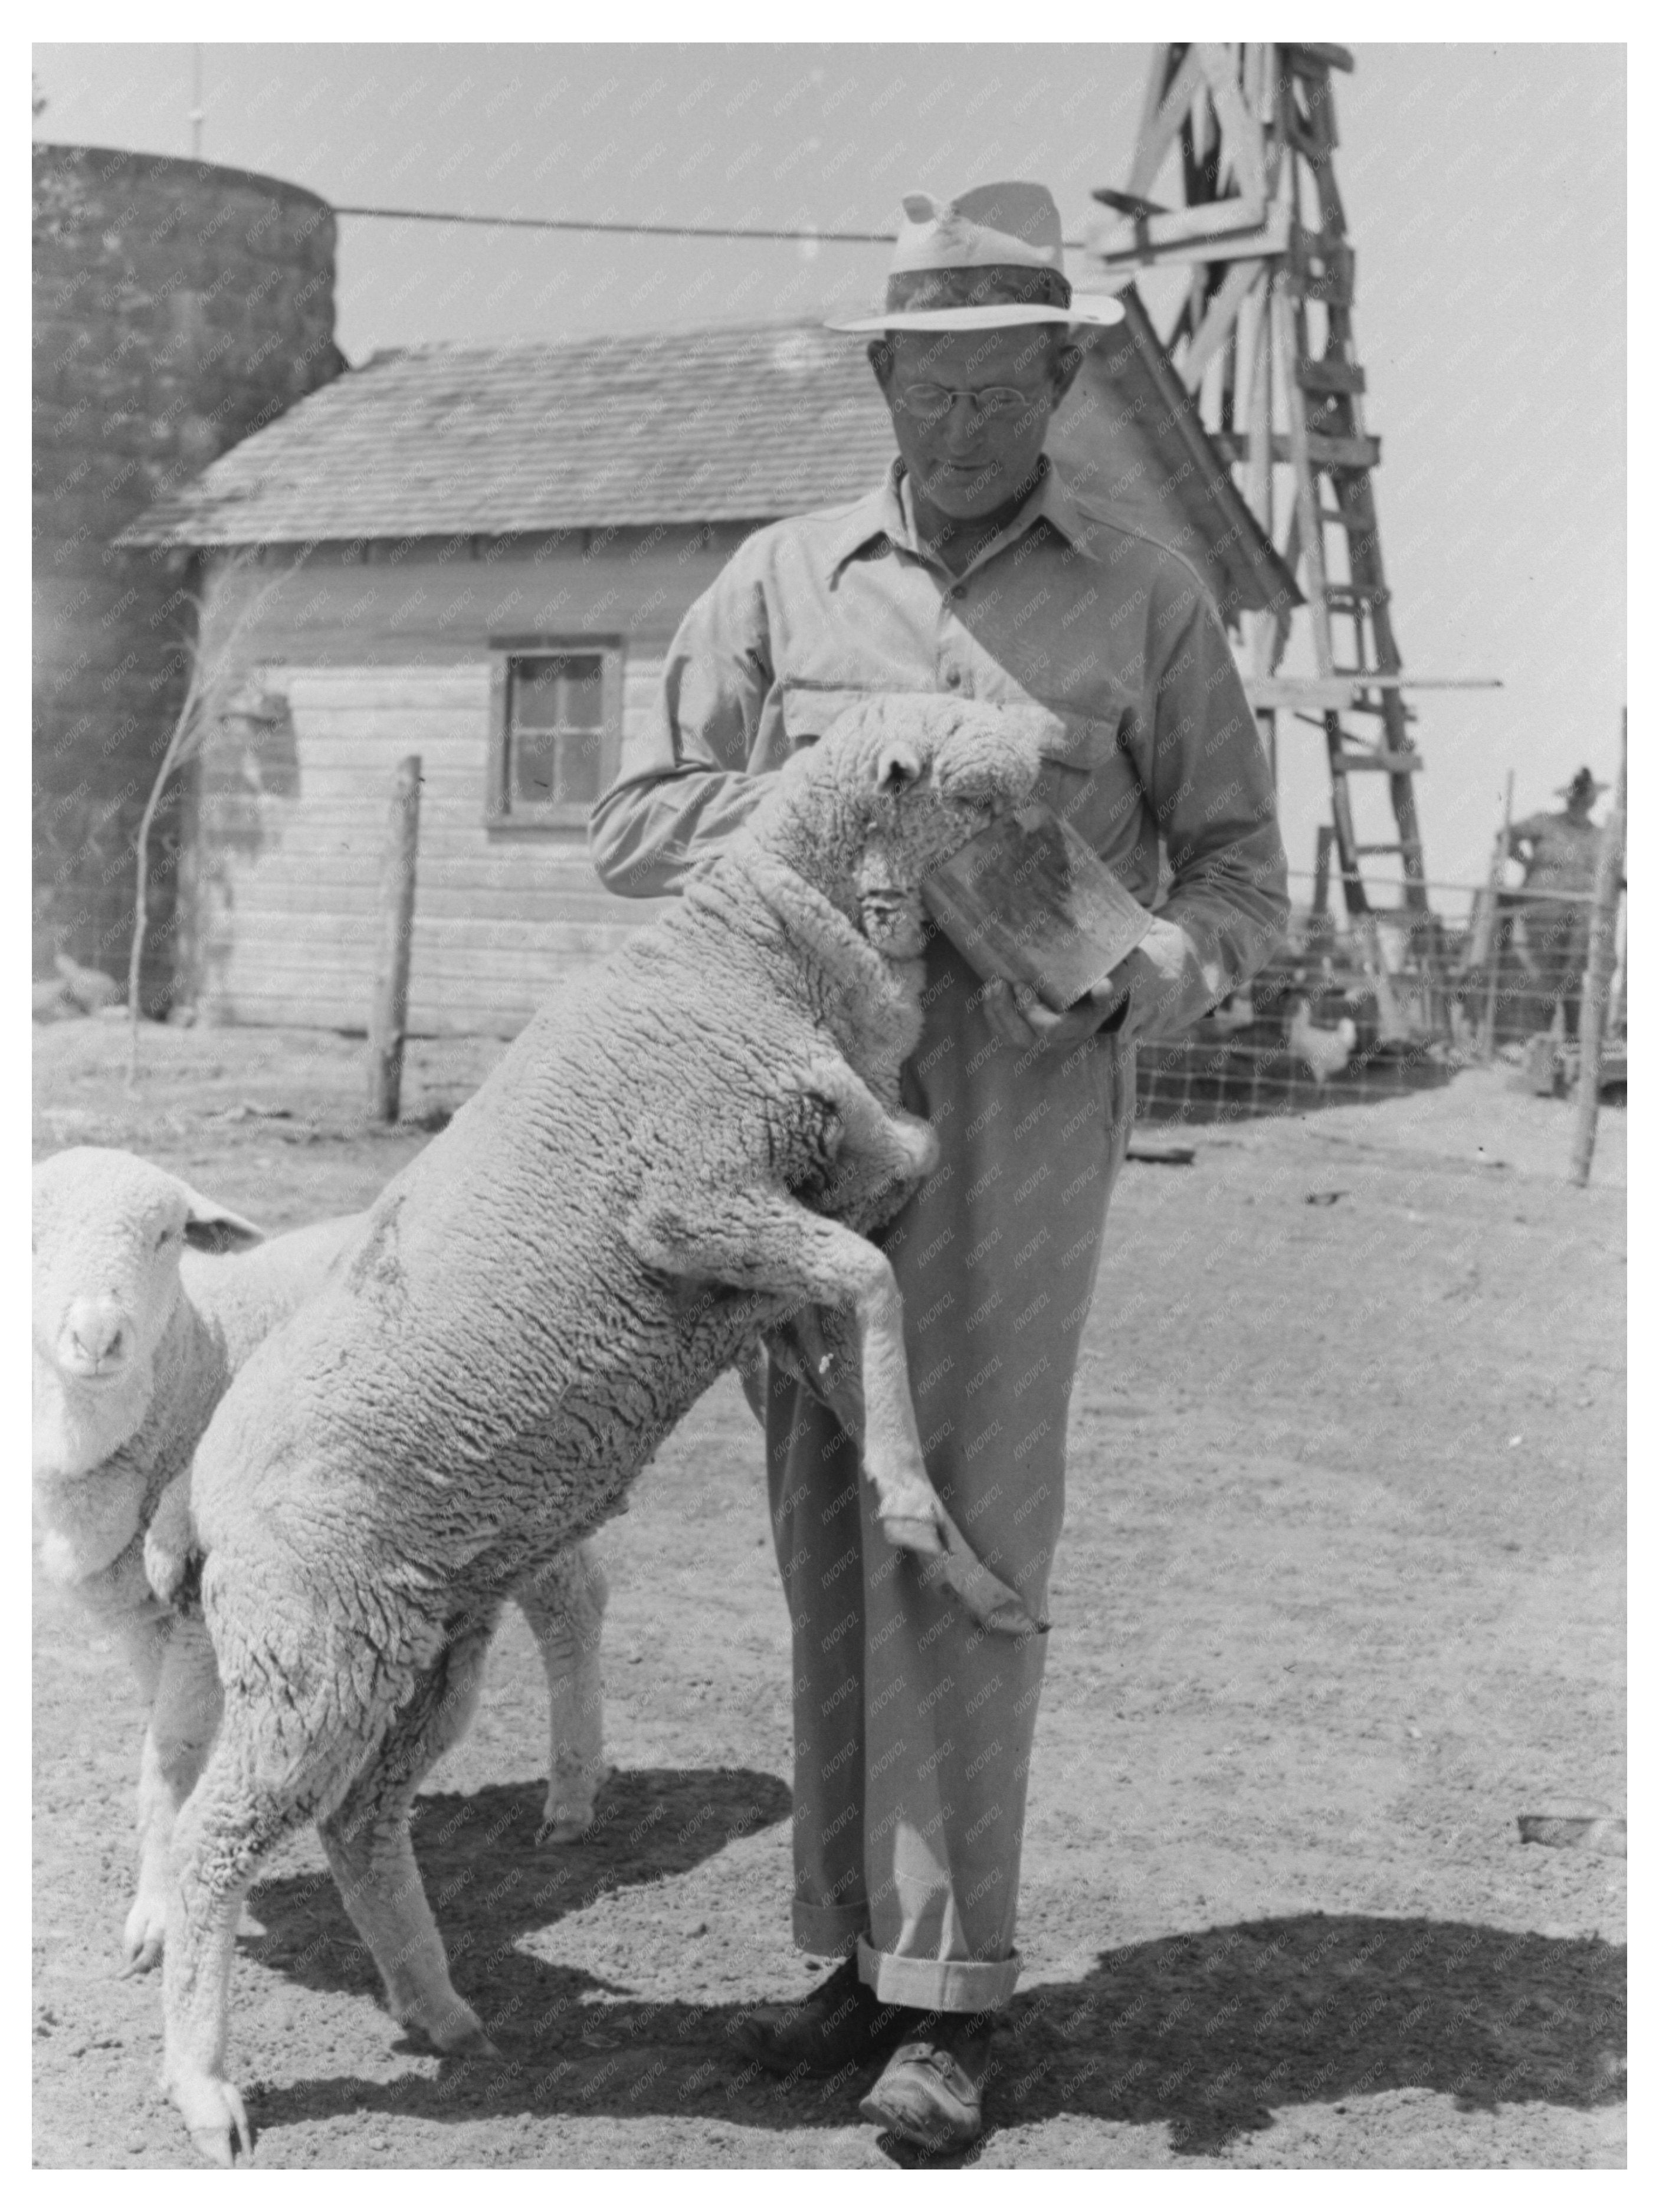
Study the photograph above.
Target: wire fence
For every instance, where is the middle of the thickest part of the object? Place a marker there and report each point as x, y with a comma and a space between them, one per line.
1351, 1009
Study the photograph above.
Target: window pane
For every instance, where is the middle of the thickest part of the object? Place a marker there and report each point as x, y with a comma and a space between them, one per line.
535, 703
583, 703
532, 761
555, 734
579, 766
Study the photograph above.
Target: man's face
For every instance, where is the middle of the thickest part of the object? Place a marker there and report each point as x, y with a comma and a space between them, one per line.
968, 462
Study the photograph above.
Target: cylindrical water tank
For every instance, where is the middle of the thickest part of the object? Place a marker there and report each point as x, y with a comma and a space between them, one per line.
177, 306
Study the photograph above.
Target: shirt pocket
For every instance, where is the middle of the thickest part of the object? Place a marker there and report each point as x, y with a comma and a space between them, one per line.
807, 705
1089, 777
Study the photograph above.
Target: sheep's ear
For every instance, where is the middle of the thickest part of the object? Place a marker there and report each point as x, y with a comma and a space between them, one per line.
210, 1227
898, 765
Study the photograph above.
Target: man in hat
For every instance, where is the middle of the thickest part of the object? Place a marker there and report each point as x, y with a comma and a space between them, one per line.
969, 570
1558, 853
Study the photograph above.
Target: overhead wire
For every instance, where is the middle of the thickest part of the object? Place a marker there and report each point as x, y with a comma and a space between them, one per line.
634, 229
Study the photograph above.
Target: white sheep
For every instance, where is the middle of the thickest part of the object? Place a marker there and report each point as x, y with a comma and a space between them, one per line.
137, 1333
646, 1180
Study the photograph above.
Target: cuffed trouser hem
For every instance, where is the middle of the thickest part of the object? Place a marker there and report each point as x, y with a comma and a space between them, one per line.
829, 1931
939, 1984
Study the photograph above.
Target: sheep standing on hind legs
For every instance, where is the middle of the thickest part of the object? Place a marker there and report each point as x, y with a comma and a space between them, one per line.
145, 1303
533, 1305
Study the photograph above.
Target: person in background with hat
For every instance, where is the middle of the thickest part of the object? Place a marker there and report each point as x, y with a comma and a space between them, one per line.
971, 570
1558, 855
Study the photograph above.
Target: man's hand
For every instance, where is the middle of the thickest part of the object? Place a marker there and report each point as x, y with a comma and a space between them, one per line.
1018, 1017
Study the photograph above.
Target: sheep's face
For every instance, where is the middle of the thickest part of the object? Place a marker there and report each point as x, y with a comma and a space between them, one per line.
109, 1230
893, 788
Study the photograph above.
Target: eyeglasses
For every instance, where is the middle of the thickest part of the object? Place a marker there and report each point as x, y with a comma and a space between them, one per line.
929, 401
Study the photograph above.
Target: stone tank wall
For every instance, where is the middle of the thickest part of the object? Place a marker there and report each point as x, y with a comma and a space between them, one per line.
177, 306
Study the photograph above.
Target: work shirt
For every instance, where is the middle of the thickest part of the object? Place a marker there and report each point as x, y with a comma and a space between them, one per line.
1113, 633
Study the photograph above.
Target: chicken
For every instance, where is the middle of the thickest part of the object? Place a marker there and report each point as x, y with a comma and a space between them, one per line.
1326, 1053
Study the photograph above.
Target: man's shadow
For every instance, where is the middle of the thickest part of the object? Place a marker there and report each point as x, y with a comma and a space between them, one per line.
1211, 2032
1216, 2030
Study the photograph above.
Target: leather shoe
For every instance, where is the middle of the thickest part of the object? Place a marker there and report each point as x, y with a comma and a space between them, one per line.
842, 2023
929, 2094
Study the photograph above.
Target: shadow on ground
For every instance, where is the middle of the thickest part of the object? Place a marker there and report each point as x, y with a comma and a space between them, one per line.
1209, 2032
489, 1883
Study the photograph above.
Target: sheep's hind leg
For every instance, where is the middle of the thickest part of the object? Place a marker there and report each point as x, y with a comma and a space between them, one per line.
230, 1821
373, 1861
564, 1605
181, 1724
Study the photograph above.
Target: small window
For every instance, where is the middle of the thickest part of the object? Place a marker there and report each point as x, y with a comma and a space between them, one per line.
557, 726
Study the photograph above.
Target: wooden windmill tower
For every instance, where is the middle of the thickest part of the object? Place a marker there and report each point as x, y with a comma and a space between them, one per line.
1264, 340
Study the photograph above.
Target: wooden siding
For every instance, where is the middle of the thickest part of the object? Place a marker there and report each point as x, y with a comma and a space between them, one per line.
374, 661
291, 822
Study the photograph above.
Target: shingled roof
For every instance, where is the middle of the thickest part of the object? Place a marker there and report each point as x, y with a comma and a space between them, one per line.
739, 424
713, 426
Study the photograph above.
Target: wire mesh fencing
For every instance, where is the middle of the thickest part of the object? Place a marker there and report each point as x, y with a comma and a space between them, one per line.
1355, 1008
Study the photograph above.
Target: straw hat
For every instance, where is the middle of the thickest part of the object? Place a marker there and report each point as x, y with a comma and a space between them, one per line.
992, 259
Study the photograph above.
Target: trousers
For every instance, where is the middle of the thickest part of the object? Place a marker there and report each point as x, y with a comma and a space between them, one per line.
914, 1727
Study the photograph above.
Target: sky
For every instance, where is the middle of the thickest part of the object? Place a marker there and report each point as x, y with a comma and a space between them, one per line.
1485, 191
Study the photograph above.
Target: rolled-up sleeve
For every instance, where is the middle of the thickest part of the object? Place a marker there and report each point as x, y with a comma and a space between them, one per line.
1208, 779
681, 789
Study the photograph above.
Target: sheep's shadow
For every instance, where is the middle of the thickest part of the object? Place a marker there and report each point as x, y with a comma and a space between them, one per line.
489, 1881
1209, 2032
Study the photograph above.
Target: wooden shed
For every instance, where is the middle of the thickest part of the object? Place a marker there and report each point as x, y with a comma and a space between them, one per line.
479, 555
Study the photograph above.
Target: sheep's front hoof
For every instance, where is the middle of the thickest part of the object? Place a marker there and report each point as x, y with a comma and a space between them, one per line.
214, 2112
917, 1533
992, 1604
1000, 1611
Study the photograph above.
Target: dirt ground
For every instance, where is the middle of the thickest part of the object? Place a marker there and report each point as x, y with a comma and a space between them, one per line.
1341, 1594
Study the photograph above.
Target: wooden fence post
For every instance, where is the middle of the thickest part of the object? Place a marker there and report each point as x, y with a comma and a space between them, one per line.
389, 1013
1609, 863
1495, 925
